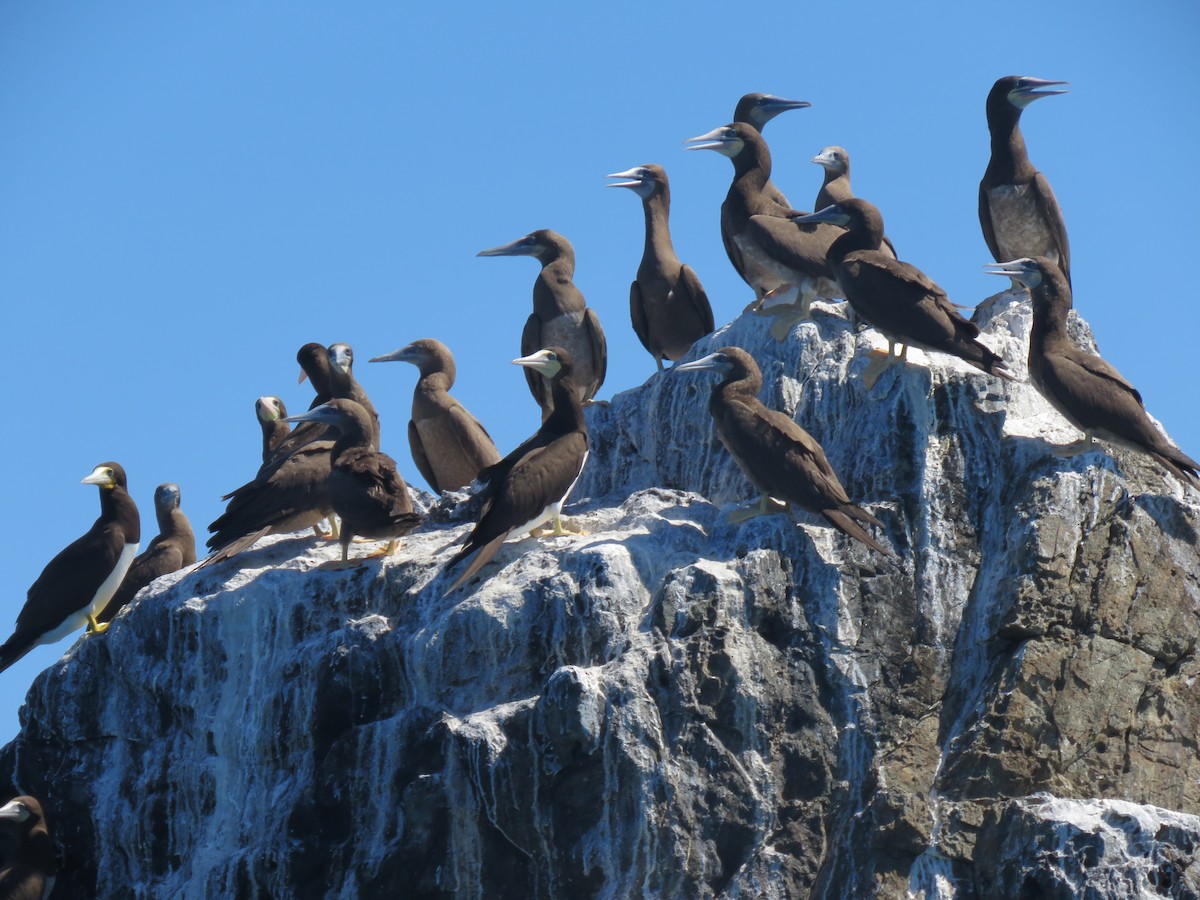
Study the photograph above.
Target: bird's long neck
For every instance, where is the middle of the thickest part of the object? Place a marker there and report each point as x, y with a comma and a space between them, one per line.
436, 382
752, 166
273, 434
351, 434
553, 291
742, 386
858, 236
165, 518
1010, 162
177, 524
567, 414
117, 505
321, 379
1049, 329
657, 209
836, 187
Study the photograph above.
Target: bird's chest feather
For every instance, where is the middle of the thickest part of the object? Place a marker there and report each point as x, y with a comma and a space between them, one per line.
564, 330
1018, 223
762, 271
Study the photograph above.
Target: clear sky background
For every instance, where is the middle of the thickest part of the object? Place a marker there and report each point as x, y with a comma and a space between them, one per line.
190, 192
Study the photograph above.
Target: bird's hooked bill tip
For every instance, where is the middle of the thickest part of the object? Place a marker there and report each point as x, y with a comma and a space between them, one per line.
712, 361
404, 354
1012, 267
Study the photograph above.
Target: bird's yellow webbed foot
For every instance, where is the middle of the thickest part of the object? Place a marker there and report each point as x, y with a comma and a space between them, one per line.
562, 531
1087, 442
766, 506
881, 361
387, 550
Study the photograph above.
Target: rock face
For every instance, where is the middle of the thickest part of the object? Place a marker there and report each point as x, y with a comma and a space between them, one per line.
671, 705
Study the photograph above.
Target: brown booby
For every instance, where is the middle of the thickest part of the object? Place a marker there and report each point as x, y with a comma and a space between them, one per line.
1091, 394
365, 488
344, 385
286, 495
448, 444
172, 549
77, 584
769, 251
667, 303
271, 414
560, 316
782, 459
757, 110
29, 870
896, 297
1018, 211
528, 487
836, 185
315, 368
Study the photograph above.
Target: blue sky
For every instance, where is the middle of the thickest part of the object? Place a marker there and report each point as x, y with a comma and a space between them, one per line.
188, 193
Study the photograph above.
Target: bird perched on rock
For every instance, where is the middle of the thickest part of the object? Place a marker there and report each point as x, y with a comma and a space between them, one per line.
667, 303
78, 583
896, 297
314, 368
271, 415
287, 494
757, 110
448, 444
836, 185
783, 460
365, 489
528, 487
29, 870
769, 251
1018, 211
343, 384
560, 316
172, 549
1091, 394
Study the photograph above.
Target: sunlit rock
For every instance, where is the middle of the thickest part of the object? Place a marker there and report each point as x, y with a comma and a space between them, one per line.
671, 705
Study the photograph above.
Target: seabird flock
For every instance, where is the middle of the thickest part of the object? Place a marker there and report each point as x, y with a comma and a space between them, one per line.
329, 468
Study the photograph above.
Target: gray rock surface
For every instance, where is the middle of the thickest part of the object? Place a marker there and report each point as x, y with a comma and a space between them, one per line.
671, 705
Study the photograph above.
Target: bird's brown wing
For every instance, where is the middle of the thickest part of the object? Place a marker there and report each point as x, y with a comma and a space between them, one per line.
421, 458
1051, 213
531, 342
985, 223
688, 287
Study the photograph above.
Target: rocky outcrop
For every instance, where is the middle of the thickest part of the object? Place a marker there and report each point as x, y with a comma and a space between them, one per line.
671, 705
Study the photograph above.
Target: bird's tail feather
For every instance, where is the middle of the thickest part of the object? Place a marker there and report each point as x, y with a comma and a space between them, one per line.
486, 552
841, 520
233, 548
14, 648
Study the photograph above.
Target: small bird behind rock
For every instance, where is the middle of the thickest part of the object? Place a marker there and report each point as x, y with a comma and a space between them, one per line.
29, 870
